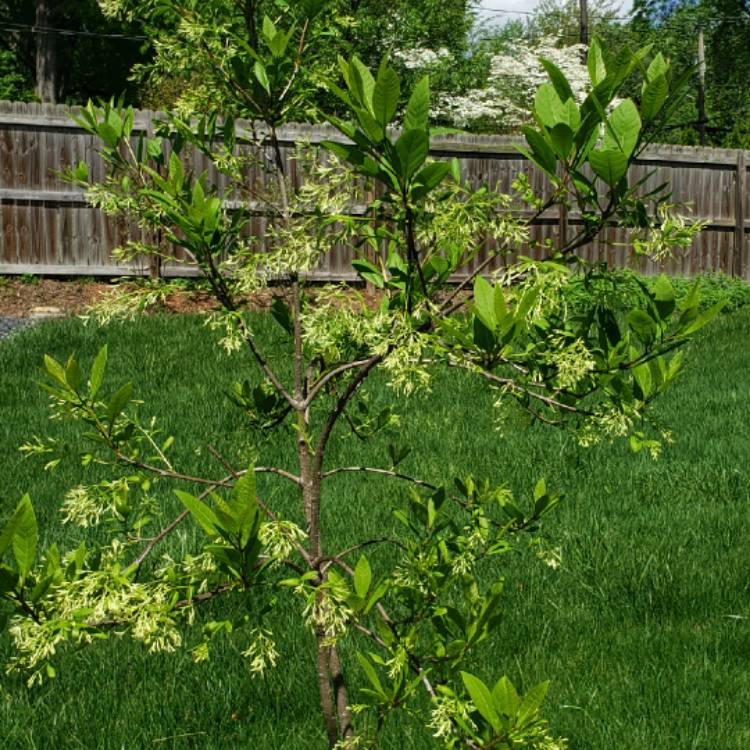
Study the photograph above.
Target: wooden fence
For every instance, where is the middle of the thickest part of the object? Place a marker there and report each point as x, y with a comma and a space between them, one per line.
48, 228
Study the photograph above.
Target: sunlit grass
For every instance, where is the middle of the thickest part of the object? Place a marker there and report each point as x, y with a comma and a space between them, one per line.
644, 629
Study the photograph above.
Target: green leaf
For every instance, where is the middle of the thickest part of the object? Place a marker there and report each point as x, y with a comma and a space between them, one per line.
108, 134
245, 505
372, 675
97, 372
675, 365
362, 83
119, 401
455, 170
312, 8
176, 172
505, 697
204, 516
73, 374
25, 536
643, 325
541, 152
279, 43
362, 577
609, 164
540, 488
559, 81
261, 76
657, 68
418, 108
484, 337
548, 107
6, 535
346, 151
653, 96
412, 149
499, 304
268, 29
369, 272
702, 320
664, 299
642, 377
397, 454
153, 148
531, 702
482, 699
431, 176
386, 94
374, 131
624, 128
562, 139
484, 302
230, 559
55, 370
595, 63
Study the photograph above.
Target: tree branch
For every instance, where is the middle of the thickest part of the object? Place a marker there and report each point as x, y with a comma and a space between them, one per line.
338, 409
383, 472
320, 383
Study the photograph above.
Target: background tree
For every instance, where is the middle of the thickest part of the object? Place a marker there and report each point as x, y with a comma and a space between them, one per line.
57, 64
673, 28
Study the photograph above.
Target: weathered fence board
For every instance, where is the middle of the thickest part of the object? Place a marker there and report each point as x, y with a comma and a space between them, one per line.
48, 228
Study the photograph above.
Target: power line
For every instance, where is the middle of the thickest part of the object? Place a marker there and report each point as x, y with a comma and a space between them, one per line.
533, 13
27, 29
631, 17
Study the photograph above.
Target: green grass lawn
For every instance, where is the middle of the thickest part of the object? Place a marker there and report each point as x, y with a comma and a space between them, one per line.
644, 630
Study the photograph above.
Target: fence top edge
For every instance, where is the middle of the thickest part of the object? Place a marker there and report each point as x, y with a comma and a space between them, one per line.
59, 115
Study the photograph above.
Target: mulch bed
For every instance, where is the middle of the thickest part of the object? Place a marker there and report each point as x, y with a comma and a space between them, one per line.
22, 298
50, 297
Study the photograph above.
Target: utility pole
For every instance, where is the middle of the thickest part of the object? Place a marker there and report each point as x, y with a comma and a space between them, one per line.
701, 88
584, 28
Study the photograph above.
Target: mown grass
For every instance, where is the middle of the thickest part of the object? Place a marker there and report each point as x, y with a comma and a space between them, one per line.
644, 630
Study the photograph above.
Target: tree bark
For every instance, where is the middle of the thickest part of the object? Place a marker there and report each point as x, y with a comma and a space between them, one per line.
327, 699
47, 67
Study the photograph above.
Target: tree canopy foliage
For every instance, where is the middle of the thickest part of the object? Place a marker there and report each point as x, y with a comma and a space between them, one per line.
93, 55
480, 73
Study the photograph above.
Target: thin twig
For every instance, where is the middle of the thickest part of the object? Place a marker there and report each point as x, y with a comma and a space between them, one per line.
327, 560
323, 379
384, 472
169, 528
513, 385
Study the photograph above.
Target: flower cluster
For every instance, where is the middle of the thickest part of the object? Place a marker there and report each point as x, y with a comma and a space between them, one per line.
261, 652
421, 58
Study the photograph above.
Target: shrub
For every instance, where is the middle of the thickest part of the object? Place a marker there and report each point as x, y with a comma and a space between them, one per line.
412, 605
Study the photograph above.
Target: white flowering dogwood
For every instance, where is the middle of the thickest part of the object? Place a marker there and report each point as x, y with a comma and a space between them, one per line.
414, 602
506, 101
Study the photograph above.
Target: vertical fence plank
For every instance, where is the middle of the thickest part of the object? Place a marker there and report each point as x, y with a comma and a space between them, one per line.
739, 261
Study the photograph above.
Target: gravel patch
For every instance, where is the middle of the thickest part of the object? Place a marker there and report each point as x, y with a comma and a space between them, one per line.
11, 324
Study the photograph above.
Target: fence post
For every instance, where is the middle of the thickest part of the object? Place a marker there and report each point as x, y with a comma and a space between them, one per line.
738, 260
154, 261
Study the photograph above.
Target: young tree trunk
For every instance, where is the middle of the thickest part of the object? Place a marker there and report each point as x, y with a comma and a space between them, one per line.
334, 702
47, 68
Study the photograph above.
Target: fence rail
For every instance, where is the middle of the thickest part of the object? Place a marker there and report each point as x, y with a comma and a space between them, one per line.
48, 227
